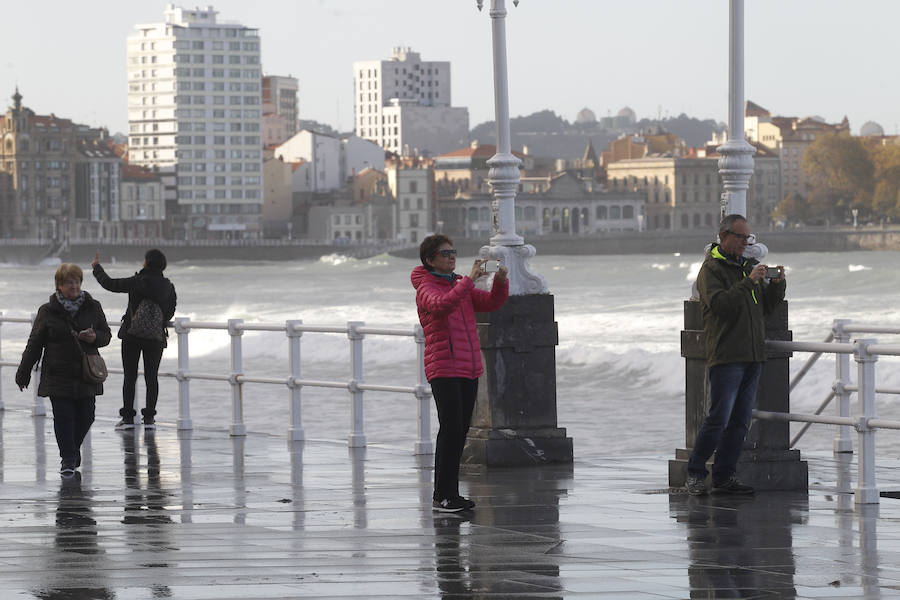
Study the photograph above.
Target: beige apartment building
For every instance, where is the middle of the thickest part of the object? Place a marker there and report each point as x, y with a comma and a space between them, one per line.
683, 194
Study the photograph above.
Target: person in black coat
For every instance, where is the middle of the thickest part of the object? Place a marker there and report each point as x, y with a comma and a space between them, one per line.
147, 284
71, 318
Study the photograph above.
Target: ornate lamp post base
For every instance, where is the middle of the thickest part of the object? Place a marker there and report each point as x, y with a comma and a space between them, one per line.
515, 416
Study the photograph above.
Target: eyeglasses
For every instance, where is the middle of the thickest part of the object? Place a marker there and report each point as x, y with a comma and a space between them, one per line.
750, 237
447, 252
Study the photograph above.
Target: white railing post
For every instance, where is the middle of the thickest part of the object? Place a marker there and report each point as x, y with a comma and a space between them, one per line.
38, 408
842, 440
237, 368
183, 328
295, 433
423, 444
357, 437
866, 489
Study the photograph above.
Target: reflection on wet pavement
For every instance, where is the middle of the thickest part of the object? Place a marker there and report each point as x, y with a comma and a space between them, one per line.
202, 515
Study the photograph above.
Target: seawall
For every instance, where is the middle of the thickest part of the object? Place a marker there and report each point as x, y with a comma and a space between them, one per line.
807, 240
804, 240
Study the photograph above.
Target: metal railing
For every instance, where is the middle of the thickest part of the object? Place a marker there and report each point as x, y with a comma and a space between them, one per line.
865, 352
294, 382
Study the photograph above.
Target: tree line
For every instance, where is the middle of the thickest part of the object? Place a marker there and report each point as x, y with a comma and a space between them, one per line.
845, 173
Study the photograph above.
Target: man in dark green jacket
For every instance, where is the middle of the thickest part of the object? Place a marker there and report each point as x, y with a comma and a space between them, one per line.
736, 295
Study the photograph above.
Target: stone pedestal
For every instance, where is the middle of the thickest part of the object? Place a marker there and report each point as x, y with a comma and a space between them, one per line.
515, 417
767, 462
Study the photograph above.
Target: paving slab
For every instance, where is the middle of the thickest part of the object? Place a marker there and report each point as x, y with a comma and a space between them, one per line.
201, 515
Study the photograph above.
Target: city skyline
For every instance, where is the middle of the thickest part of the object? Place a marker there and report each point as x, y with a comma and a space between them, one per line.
600, 56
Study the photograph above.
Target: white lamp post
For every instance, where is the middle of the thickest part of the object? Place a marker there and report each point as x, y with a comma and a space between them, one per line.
506, 245
736, 164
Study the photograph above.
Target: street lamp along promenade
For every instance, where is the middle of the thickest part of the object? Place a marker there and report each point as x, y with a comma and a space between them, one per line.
503, 176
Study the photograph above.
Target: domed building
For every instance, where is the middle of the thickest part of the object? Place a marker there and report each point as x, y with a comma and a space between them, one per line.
585, 116
871, 129
627, 114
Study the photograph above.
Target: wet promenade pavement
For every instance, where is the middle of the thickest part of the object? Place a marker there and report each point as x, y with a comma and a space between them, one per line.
206, 516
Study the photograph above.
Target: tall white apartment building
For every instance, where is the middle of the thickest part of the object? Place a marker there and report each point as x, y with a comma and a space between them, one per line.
194, 109
403, 105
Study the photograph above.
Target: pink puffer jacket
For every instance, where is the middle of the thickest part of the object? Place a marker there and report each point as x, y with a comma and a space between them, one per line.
447, 314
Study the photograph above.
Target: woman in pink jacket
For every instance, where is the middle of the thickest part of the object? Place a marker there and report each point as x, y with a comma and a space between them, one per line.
447, 303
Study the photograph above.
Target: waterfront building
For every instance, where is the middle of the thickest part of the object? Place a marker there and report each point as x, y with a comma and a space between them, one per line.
563, 203
98, 180
142, 205
331, 161
629, 146
280, 99
411, 181
368, 185
342, 224
789, 137
38, 157
683, 193
403, 104
466, 169
274, 129
321, 153
278, 208
194, 113
358, 154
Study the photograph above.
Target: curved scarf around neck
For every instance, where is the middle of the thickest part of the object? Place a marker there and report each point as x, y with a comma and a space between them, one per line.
71, 306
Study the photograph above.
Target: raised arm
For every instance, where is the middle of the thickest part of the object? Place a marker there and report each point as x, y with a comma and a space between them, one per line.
439, 302
490, 301
126, 284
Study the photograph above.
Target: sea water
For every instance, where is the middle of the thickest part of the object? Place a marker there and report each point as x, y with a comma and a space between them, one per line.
620, 375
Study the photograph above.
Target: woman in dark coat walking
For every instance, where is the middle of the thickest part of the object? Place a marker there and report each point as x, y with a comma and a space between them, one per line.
71, 318
147, 284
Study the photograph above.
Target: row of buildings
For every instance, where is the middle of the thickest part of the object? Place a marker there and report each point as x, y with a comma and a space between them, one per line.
215, 149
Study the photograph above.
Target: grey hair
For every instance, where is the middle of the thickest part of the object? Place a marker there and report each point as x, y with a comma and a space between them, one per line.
729, 220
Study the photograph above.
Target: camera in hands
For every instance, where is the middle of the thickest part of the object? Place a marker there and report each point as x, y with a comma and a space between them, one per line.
490, 266
774, 272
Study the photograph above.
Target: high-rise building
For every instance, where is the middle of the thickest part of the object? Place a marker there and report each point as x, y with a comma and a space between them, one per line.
195, 114
403, 105
279, 96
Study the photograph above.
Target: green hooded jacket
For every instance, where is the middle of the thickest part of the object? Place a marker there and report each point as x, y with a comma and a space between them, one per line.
734, 308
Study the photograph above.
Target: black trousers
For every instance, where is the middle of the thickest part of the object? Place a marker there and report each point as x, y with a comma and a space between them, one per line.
455, 401
132, 349
72, 419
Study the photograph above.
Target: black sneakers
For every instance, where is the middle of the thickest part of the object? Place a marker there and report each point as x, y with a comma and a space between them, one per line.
125, 424
695, 486
450, 505
149, 423
67, 469
732, 486
469, 503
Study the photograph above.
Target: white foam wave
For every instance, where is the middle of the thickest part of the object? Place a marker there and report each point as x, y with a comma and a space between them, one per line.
336, 259
855, 268
660, 266
693, 271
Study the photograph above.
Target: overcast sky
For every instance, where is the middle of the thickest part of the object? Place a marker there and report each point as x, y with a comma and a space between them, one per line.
803, 57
